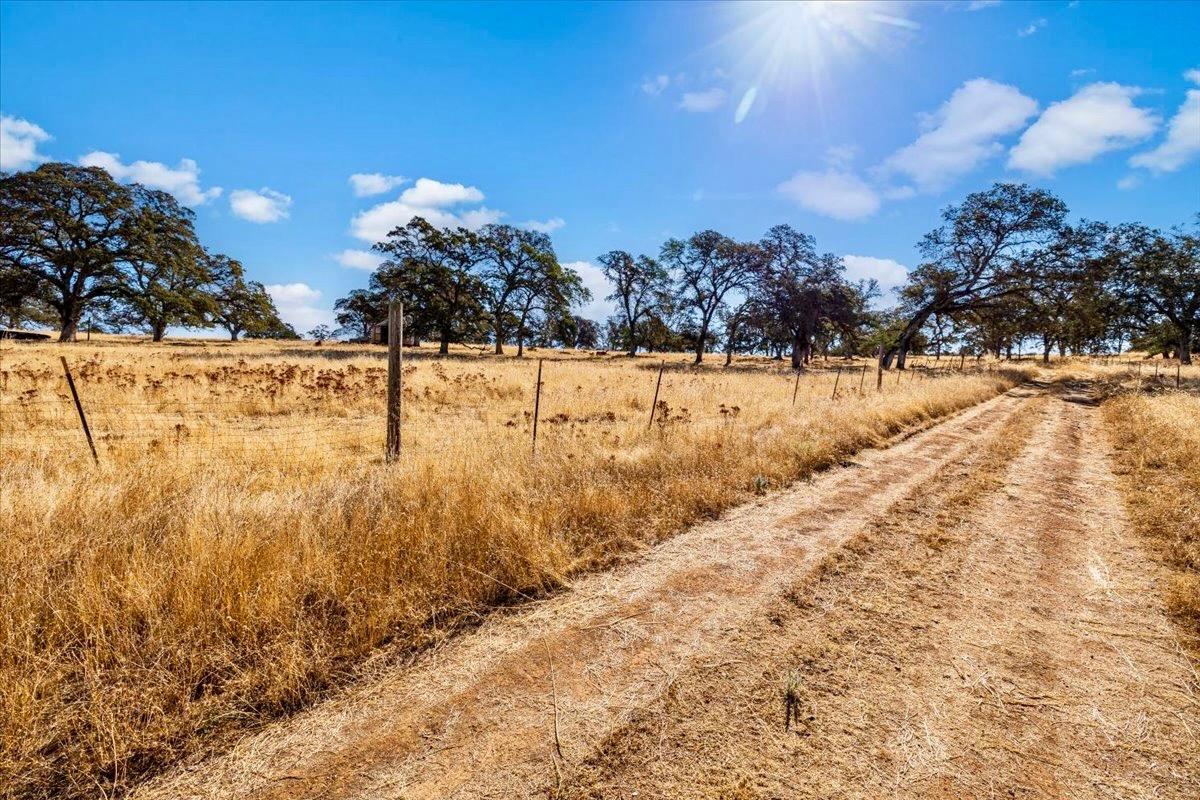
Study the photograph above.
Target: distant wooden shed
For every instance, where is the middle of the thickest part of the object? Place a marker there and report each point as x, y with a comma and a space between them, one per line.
29, 336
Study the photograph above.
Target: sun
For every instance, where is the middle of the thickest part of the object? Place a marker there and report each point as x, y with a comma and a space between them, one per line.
777, 45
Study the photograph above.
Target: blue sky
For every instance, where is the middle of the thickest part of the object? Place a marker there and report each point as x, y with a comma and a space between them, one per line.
610, 125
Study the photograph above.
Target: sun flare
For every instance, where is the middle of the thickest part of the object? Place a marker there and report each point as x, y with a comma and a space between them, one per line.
783, 44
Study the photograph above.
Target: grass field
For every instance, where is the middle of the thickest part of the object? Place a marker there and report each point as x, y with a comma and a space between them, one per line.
241, 548
1158, 444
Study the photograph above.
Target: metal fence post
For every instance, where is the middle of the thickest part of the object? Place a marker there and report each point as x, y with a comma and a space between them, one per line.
79, 408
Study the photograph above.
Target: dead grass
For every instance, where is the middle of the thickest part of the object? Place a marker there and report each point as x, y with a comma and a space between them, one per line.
240, 548
1157, 438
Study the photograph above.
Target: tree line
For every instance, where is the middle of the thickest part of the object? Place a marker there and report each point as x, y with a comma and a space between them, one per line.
1003, 268
76, 246
502, 284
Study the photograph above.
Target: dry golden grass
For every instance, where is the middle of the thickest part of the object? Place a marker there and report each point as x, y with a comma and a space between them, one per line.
241, 548
1158, 444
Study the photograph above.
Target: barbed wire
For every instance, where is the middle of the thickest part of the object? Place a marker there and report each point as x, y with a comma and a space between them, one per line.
272, 425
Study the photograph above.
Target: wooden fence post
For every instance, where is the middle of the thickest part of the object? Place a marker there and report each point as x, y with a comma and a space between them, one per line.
796, 388
1177, 368
79, 408
879, 371
836, 378
395, 385
537, 402
657, 385
863, 380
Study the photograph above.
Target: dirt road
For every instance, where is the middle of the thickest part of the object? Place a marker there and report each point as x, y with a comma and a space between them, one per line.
963, 614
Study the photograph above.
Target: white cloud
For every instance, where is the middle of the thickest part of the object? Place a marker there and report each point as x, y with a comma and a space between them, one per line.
548, 226
963, 133
889, 273
358, 259
297, 306
841, 156
1183, 138
183, 181
428, 192
703, 102
19, 140
1192, 75
1032, 27
1098, 118
833, 193
976, 5
265, 205
433, 200
368, 183
1129, 182
1079, 73
598, 309
655, 86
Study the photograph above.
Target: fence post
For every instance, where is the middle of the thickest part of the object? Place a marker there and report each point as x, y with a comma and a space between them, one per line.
79, 407
1177, 367
879, 370
863, 380
796, 388
657, 385
537, 402
836, 378
395, 385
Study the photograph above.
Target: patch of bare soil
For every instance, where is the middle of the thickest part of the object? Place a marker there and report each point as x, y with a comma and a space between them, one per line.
956, 627
1003, 641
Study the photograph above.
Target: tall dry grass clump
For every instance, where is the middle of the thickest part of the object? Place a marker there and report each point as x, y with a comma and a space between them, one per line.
241, 547
1158, 444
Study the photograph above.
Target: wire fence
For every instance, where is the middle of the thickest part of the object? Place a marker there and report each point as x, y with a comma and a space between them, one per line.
44, 421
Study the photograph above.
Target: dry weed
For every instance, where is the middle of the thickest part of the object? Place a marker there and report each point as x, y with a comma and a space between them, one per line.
1158, 446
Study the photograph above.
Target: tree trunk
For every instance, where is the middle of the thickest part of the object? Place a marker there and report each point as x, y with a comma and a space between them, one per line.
444, 346
499, 334
158, 329
69, 317
233, 334
700, 340
1047, 346
1185, 346
520, 346
798, 351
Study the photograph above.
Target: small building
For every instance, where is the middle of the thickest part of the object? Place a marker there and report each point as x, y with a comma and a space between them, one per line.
379, 335
29, 336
